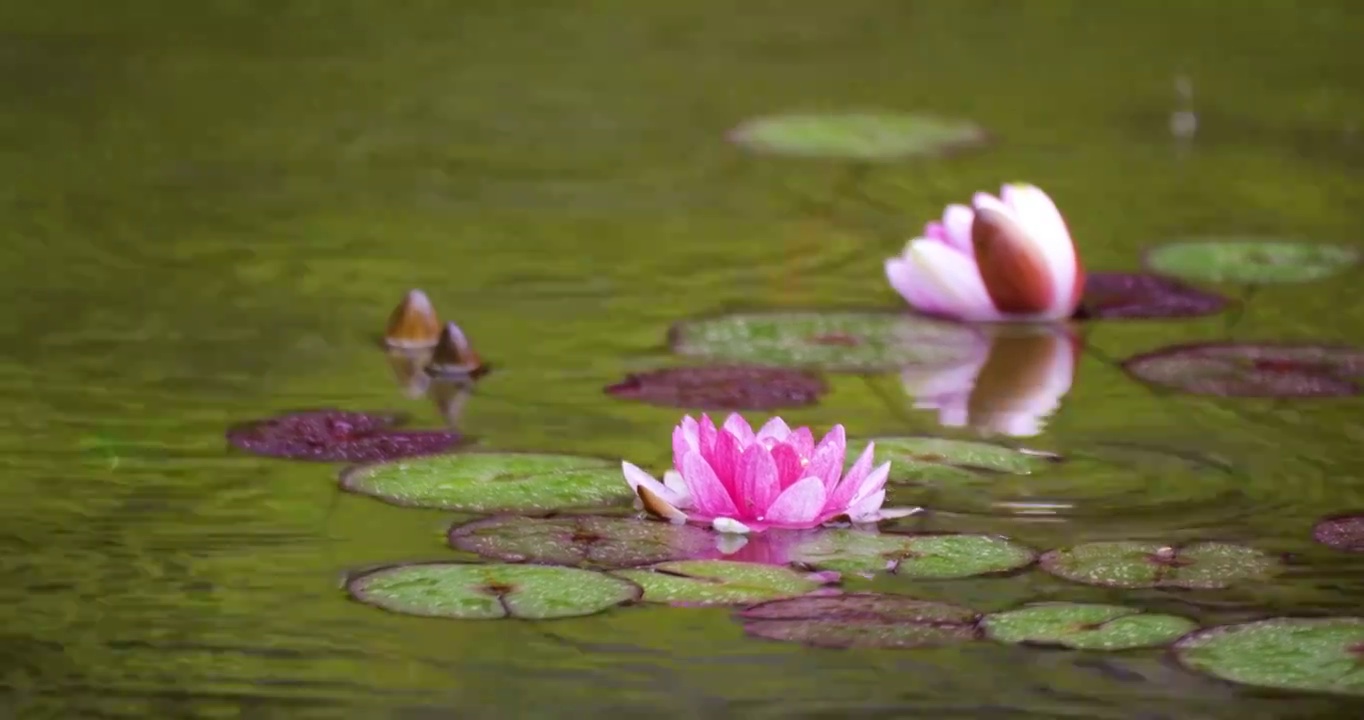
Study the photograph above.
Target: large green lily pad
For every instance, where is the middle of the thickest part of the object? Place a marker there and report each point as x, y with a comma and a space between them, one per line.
864, 136
489, 592
1142, 564
834, 341
1085, 626
1250, 260
861, 620
722, 582
492, 482
1313, 654
581, 540
931, 459
918, 556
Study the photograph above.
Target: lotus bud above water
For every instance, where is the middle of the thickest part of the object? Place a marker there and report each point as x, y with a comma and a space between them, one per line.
413, 324
454, 357
1006, 258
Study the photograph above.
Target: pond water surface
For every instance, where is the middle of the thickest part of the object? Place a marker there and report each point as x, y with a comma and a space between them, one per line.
211, 207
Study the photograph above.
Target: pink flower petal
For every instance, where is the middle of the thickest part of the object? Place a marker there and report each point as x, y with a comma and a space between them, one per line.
708, 495
956, 221
789, 465
826, 462
875, 482
775, 429
803, 441
739, 428
868, 507
705, 434
723, 458
798, 505
757, 483
842, 496
684, 441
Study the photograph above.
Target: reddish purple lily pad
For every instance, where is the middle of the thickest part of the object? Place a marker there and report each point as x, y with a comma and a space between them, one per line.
1143, 564
330, 435
581, 540
861, 620
1145, 296
1252, 369
722, 387
1341, 532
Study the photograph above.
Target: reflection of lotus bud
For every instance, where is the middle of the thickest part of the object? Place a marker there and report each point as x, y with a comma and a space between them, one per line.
450, 397
454, 357
409, 370
413, 324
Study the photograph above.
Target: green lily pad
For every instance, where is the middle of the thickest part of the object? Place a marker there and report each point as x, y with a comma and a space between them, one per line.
861, 620
837, 341
492, 482
1313, 654
1250, 260
490, 592
1141, 564
581, 540
930, 459
864, 136
1085, 626
938, 557
722, 582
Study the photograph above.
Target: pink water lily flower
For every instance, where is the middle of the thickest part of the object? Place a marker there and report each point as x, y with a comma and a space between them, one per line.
739, 481
1005, 258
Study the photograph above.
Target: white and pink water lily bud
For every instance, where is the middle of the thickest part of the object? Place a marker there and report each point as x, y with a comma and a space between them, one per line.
1006, 258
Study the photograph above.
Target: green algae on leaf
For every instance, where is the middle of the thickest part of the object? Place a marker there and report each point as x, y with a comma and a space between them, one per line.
1227, 369
492, 482
859, 136
722, 582
936, 557
1250, 260
1142, 564
1085, 626
489, 592
925, 459
867, 620
1341, 532
722, 387
1311, 654
581, 540
833, 341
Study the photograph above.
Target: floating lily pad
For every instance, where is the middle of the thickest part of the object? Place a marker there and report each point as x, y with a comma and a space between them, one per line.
1142, 295
1250, 260
1313, 654
936, 557
865, 136
861, 620
840, 341
721, 582
489, 592
1138, 564
1252, 370
920, 459
1085, 626
581, 540
330, 435
492, 482
723, 387
1341, 532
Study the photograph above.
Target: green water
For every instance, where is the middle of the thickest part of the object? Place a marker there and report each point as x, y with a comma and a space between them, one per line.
210, 208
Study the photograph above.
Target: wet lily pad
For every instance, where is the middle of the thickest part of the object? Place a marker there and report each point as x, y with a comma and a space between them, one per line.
1252, 370
721, 582
1313, 654
722, 387
864, 136
1250, 260
938, 557
492, 482
581, 540
1111, 295
920, 459
861, 620
489, 592
1140, 564
837, 341
1085, 626
330, 435
1341, 532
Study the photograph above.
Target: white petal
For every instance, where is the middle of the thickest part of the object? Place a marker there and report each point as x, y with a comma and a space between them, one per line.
729, 525
637, 477
956, 223
1043, 223
955, 281
672, 480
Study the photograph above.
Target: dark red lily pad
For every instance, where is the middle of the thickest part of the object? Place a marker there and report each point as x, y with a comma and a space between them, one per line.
581, 540
330, 435
1145, 296
722, 387
1252, 369
1341, 532
861, 620
1143, 564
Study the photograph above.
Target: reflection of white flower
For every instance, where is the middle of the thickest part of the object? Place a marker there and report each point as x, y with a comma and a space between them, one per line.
1009, 388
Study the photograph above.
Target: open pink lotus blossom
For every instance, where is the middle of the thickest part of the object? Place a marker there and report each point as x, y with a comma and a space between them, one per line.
1006, 258
739, 481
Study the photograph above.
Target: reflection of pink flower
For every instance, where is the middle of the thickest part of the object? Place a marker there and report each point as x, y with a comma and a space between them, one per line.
1006, 258
740, 481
